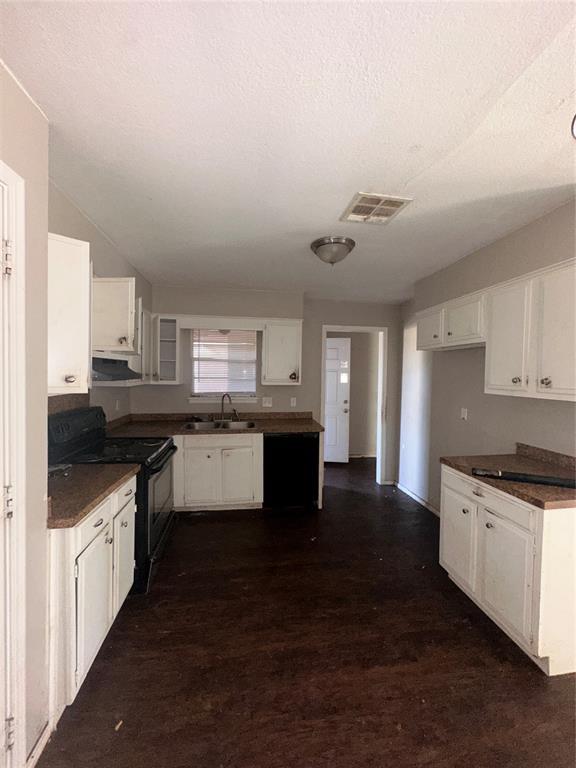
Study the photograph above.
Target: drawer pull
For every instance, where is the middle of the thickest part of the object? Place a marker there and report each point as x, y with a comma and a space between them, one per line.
124, 523
516, 379
489, 525
546, 381
128, 492
69, 378
98, 523
477, 493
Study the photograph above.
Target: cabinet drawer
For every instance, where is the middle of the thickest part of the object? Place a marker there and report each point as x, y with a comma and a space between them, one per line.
91, 526
125, 494
491, 499
221, 441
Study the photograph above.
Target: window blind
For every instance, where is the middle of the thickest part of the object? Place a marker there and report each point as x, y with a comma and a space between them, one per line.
223, 361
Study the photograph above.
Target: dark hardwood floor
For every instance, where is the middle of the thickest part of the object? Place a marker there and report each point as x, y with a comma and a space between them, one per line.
309, 641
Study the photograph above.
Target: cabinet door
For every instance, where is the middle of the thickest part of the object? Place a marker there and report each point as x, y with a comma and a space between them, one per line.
146, 346
237, 475
69, 274
429, 330
123, 535
282, 353
93, 599
463, 323
113, 314
202, 475
506, 568
507, 339
458, 537
556, 333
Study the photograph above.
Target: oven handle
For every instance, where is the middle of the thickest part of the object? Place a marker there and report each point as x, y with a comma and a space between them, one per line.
167, 456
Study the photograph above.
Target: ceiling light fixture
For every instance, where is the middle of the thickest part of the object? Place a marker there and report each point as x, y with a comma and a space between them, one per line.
331, 250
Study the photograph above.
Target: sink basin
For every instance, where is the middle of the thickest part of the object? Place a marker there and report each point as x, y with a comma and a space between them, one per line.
201, 426
236, 424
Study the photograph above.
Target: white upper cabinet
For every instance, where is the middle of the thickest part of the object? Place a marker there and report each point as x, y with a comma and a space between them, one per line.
556, 333
429, 330
146, 343
165, 350
463, 322
508, 339
114, 314
69, 273
282, 352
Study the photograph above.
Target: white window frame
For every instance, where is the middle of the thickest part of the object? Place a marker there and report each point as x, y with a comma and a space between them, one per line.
215, 397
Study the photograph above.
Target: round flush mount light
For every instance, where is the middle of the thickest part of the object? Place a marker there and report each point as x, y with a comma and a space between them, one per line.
331, 250
574, 127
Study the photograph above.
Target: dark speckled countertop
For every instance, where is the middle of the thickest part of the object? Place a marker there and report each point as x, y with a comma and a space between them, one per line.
74, 495
166, 424
530, 460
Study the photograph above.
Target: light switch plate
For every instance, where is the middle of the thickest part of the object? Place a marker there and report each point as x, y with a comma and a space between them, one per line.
464, 414
266, 402
292, 402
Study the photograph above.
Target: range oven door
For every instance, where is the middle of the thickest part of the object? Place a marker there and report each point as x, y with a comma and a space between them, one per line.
160, 499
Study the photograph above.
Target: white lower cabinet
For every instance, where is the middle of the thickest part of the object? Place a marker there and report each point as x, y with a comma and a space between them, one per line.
218, 471
517, 562
91, 573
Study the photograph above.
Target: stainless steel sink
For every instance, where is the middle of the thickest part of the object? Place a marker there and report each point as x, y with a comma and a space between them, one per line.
210, 426
201, 426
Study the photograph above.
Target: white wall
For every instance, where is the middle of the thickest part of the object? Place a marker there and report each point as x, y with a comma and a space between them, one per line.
65, 218
24, 147
363, 391
454, 379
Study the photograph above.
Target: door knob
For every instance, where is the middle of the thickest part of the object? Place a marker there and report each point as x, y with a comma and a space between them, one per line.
69, 379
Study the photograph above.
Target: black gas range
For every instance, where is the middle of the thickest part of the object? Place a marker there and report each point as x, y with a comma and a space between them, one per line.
79, 437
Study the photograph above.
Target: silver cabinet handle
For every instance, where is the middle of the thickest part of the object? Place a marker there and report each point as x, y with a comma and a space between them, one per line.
108, 540
516, 379
478, 493
489, 525
123, 339
69, 378
128, 492
546, 381
124, 524
465, 511
98, 523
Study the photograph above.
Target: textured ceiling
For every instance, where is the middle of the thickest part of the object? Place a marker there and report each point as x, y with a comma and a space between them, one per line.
213, 141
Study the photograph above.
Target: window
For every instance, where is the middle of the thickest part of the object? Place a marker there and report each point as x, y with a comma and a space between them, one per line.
223, 361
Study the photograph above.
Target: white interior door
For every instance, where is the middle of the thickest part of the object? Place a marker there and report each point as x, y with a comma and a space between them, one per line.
337, 400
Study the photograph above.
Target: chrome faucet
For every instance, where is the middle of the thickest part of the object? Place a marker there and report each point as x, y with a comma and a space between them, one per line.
235, 416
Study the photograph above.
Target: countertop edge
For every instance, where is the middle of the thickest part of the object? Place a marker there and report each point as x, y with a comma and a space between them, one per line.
55, 523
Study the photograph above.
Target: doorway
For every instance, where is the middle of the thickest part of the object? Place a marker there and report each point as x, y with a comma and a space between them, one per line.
338, 381
12, 470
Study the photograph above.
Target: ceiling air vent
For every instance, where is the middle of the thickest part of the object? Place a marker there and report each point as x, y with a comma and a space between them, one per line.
374, 209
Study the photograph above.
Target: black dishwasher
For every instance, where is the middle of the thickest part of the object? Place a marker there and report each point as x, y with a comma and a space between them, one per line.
291, 470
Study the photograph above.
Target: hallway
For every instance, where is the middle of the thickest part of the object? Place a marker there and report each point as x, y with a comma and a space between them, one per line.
307, 641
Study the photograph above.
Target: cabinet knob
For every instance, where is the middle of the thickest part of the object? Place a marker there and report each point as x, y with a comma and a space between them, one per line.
69, 378
449, 333
434, 335
123, 339
516, 379
465, 511
489, 525
293, 376
208, 455
108, 540
345, 410
124, 523
477, 493
546, 381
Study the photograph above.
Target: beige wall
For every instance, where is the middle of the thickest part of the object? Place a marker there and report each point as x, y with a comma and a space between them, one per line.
24, 147
438, 384
316, 313
65, 218
363, 391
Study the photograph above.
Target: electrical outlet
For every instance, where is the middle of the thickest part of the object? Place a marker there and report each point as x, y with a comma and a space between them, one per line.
464, 414
292, 402
266, 402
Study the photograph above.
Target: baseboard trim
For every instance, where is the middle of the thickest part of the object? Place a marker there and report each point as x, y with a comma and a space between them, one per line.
40, 745
417, 498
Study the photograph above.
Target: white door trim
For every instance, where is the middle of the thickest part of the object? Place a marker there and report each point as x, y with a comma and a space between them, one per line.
13, 389
340, 452
382, 395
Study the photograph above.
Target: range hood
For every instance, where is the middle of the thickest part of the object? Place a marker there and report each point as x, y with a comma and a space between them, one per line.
112, 369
